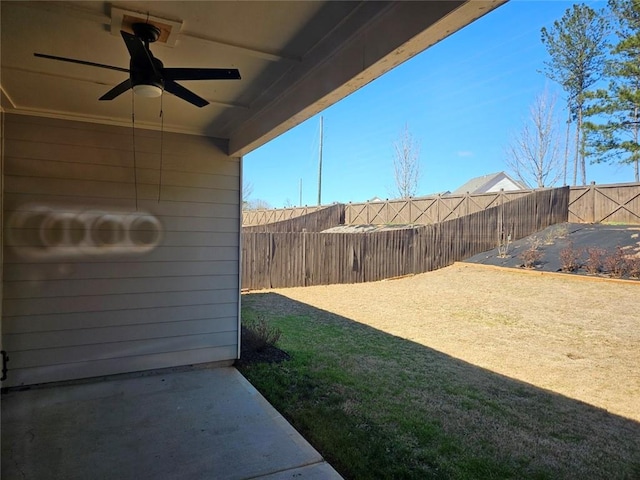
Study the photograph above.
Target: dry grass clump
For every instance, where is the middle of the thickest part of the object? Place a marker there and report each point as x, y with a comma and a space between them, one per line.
555, 232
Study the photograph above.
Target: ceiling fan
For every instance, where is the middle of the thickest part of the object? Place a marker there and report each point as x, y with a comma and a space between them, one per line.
147, 75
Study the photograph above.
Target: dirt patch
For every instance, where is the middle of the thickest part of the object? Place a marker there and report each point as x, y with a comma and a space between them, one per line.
573, 337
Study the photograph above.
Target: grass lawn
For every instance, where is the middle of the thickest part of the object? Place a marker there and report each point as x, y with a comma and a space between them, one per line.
381, 405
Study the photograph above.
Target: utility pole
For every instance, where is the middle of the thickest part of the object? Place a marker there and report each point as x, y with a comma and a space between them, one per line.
320, 168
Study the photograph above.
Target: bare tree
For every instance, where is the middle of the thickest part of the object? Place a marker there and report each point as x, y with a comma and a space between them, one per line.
252, 204
406, 164
257, 204
247, 191
533, 154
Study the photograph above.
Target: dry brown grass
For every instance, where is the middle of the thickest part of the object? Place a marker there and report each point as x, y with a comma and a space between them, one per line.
574, 337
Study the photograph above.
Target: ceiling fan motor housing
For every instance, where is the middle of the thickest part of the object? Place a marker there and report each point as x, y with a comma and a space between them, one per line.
140, 75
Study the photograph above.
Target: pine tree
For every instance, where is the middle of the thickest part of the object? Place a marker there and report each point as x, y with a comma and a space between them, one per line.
613, 134
577, 46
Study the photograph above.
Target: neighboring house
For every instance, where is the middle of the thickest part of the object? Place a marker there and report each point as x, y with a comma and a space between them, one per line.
493, 182
122, 241
419, 197
435, 194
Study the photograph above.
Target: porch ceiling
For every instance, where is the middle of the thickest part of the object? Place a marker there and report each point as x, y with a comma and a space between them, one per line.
295, 58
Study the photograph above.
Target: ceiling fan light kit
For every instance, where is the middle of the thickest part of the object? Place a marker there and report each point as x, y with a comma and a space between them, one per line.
147, 75
147, 91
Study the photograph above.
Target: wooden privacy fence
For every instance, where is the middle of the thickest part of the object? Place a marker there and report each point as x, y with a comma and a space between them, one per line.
264, 216
605, 203
590, 204
289, 259
426, 210
316, 221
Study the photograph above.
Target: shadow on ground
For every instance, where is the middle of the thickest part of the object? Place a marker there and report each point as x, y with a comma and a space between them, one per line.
379, 406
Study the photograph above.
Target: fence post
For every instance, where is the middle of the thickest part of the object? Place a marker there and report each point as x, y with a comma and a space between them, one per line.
465, 210
270, 257
304, 257
410, 202
414, 251
592, 203
385, 215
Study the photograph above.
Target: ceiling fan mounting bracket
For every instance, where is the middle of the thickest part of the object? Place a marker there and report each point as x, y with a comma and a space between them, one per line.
146, 32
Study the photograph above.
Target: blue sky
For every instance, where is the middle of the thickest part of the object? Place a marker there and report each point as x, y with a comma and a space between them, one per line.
462, 99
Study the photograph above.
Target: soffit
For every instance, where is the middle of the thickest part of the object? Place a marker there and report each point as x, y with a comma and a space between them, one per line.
295, 59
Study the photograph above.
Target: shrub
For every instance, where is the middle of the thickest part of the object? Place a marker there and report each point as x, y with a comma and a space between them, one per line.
615, 263
595, 257
532, 255
503, 245
570, 258
633, 267
260, 335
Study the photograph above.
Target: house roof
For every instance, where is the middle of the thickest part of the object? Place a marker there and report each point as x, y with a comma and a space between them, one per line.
476, 184
295, 58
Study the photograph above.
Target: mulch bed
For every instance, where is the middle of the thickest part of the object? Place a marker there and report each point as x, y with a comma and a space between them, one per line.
554, 239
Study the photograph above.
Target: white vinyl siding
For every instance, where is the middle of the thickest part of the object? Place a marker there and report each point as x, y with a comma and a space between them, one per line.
79, 315
502, 183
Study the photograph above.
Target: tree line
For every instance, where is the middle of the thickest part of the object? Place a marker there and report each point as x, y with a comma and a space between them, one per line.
587, 49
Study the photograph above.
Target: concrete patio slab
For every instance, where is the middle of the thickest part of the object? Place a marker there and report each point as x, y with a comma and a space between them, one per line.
194, 424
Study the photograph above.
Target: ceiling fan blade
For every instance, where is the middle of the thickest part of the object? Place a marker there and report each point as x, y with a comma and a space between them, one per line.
201, 74
117, 90
140, 56
181, 92
81, 62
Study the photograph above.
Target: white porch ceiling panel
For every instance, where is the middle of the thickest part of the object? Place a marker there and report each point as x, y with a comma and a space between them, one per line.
295, 58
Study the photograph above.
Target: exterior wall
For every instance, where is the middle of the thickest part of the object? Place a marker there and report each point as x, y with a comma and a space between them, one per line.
146, 295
